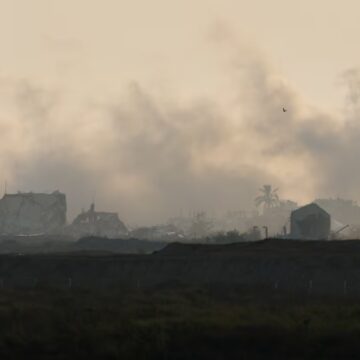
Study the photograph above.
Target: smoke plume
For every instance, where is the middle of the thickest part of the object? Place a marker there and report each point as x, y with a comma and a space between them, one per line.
149, 157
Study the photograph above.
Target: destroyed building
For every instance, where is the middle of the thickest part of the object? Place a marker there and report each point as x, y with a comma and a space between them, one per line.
343, 210
91, 222
32, 213
167, 232
310, 222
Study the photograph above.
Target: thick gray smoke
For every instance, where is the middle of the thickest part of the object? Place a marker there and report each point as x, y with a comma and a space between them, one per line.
150, 158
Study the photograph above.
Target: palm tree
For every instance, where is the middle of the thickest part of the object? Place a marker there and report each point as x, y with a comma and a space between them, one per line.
268, 198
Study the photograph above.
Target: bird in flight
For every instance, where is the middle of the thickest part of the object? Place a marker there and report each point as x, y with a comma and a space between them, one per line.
284, 110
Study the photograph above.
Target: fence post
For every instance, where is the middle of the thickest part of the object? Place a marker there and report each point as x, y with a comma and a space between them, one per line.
310, 287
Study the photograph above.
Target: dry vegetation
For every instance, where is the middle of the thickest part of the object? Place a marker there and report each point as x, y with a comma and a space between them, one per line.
182, 323
184, 302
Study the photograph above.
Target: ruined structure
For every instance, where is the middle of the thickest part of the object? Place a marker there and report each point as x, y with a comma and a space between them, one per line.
97, 223
310, 222
166, 233
344, 211
32, 213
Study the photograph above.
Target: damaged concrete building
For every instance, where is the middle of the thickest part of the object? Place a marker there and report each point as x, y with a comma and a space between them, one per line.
310, 222
92, 222
32, 213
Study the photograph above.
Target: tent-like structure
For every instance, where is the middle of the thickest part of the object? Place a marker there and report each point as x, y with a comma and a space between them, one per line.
310, 222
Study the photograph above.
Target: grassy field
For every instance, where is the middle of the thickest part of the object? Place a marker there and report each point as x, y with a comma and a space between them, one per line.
267, 300
182, 323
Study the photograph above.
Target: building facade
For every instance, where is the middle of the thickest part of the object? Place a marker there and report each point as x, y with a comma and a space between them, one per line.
32, 213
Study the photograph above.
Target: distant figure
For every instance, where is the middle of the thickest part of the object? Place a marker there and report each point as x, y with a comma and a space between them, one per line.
284, 110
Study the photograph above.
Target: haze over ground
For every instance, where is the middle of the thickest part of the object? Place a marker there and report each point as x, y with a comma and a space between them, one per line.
153, 107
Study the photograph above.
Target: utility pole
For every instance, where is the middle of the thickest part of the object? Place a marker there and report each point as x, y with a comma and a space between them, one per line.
266, 232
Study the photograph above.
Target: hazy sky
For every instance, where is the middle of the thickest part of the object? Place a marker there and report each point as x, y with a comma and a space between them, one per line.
156, 106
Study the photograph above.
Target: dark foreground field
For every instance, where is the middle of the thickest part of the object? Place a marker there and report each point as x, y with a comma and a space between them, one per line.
272, 299
299, 267
182, 323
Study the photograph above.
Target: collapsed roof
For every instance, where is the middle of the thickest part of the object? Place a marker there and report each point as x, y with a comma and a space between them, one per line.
93, 222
